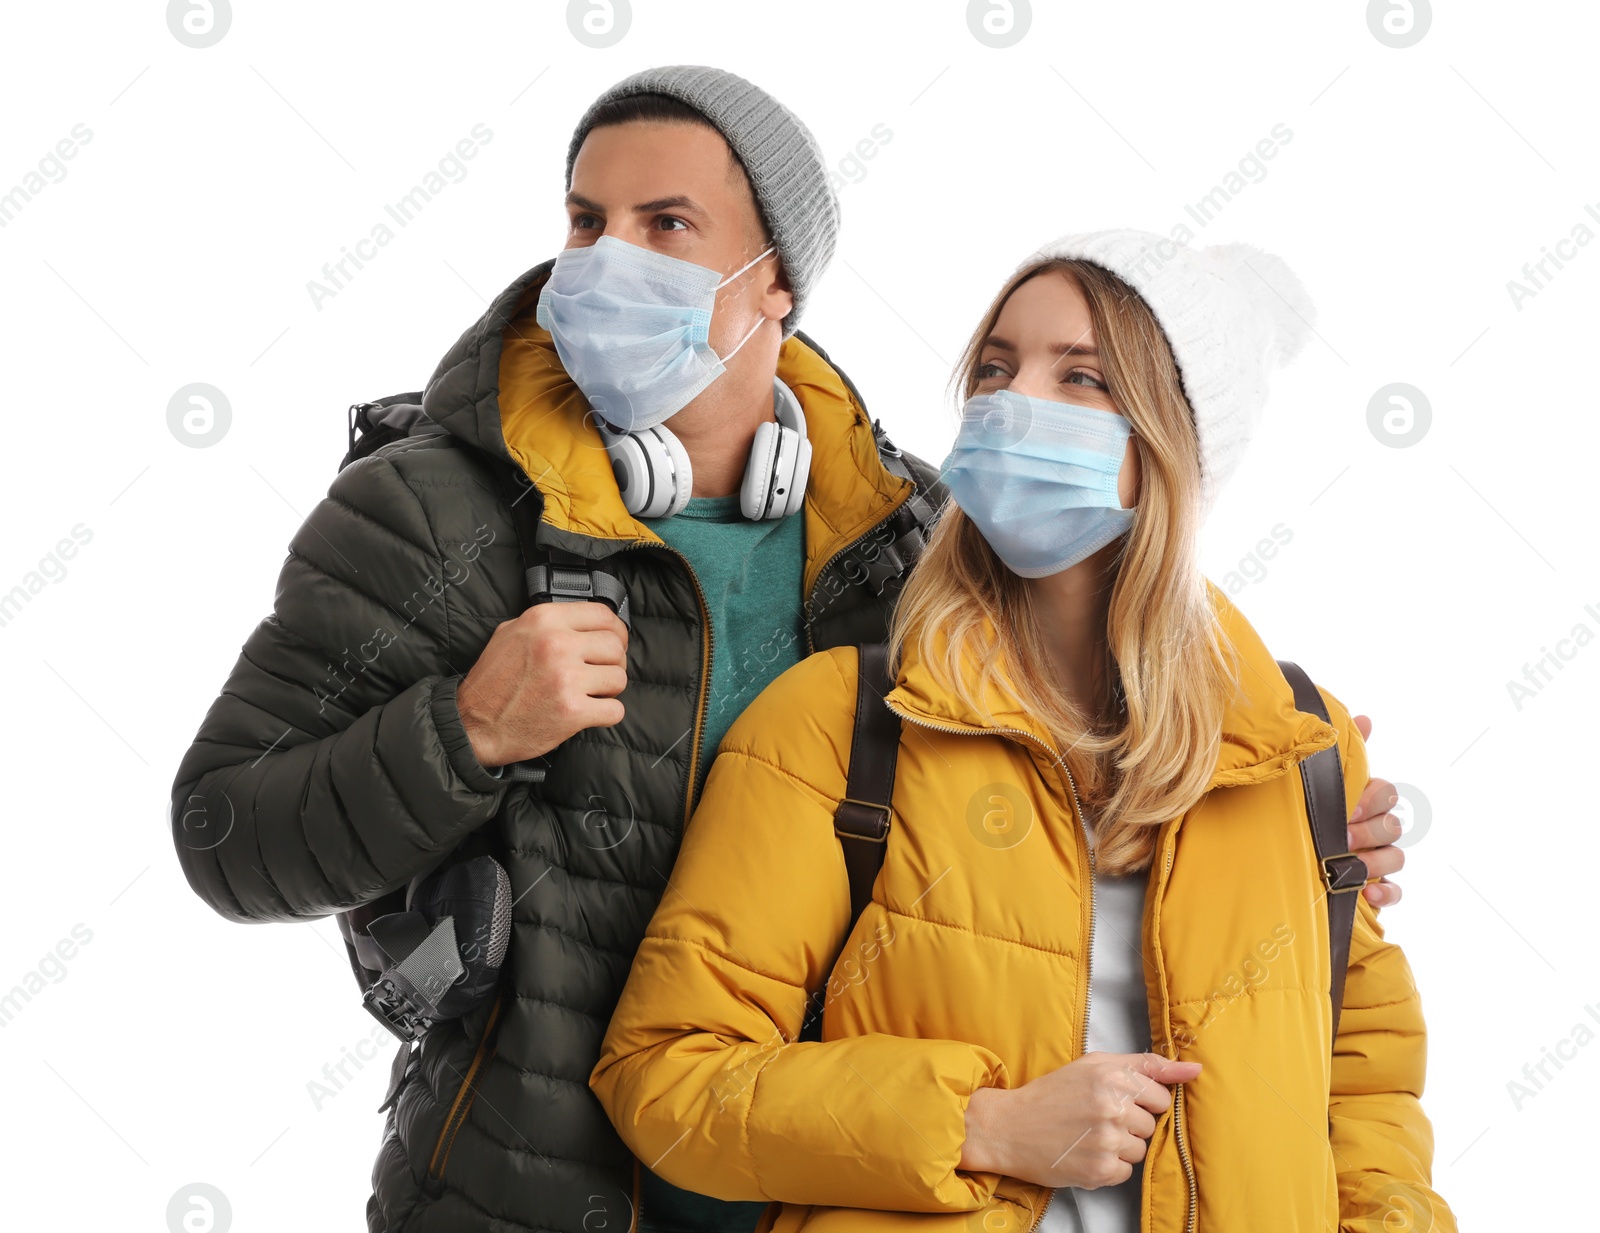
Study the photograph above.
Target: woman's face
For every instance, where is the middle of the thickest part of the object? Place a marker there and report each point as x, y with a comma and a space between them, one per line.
1043, 346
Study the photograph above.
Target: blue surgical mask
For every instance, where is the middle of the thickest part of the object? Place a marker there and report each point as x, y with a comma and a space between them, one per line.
1039, 479
632, 328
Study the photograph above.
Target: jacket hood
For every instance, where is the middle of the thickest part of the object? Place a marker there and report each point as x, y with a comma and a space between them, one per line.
502, 390
1263, 734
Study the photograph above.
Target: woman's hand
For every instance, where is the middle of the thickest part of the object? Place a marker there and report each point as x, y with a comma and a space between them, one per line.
1373, 831
1083, 1125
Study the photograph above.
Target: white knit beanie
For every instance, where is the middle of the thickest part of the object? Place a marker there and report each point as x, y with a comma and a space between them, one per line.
1232, 315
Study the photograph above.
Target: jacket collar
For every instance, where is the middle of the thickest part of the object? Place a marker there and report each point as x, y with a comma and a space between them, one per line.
502, 389
1263, 735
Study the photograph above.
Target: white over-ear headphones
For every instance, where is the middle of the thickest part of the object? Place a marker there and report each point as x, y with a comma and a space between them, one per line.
654, 478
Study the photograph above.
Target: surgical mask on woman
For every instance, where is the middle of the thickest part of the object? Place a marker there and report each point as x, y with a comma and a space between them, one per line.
632, 328
1039, 478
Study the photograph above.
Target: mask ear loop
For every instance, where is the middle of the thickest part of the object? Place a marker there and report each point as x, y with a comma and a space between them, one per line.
761, 257
760, 320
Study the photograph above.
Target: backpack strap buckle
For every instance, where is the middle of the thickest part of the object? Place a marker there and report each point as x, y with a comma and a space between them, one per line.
424, 964
865, 820
1343, 872
568, 578
561, 583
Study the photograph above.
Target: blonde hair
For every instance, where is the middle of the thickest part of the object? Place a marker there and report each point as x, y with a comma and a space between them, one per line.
1148, 750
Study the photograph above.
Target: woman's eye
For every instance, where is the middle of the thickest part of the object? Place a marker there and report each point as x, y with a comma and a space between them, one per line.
1088, 378
987, 372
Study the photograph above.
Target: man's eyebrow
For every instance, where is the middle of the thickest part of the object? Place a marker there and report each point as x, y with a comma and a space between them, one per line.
1002, 344
680, 202
670, 203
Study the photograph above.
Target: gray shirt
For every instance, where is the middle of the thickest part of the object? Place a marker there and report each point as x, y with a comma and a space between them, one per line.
1119, 1022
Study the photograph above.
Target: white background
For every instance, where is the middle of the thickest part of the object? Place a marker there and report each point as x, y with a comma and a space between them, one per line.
177, 1048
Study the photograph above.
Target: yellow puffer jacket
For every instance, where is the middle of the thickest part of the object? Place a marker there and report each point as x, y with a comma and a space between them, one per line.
970, 968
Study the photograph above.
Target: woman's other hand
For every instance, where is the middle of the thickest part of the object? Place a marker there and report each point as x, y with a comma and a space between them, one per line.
1084, 1125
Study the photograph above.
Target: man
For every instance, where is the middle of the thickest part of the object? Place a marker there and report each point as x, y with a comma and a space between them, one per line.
312, 788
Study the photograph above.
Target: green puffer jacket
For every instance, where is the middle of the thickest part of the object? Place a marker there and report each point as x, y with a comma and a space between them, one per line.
333, 767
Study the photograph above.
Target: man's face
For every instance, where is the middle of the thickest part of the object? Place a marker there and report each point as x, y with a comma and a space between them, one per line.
677, 189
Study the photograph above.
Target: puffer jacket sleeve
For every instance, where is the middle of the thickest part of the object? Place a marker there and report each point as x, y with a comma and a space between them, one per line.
1382, 1140
700, 1070
333, 766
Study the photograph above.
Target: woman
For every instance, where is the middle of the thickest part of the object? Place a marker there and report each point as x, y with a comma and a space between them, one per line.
1094, 808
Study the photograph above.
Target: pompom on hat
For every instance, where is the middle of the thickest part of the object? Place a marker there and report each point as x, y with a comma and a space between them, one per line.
1232, 314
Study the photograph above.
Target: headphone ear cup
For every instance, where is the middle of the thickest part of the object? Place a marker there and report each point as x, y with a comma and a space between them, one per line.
631, 468
756, 487
682, 478
782, 481
652, 471
797, 481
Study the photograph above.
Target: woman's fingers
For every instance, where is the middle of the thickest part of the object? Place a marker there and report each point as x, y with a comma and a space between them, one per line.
1371, 835
1382, 894
1139, 1122
1376, 832
1381, 862
1160, 1071
1378, 797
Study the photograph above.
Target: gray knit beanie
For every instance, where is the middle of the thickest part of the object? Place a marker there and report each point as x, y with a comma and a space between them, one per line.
787, 171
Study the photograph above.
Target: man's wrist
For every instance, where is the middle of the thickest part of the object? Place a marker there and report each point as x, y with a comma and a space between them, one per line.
456, 728
476, 741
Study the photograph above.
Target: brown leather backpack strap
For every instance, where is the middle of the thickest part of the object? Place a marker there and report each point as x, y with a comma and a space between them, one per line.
1343, 872
861, 820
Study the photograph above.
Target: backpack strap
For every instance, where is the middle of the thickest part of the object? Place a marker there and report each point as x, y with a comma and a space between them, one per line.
861, 819
910, 526
913, 522
551, 575
373, 425
1343, 872
566, 578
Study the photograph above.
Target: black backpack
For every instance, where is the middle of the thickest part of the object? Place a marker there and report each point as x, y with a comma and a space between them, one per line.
433, 949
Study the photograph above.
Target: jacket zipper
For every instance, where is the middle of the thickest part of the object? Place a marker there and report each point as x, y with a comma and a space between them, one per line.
457, 1116
705, 671
1183, 1154
688, 800
1082, 830
706, 662
1177, 1099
